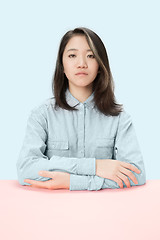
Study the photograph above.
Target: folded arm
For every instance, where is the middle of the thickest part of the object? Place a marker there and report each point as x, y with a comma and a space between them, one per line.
126, 149
82, 170
32, 159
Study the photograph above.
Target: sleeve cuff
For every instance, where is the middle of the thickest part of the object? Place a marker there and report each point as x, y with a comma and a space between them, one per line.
78, 182
86, 166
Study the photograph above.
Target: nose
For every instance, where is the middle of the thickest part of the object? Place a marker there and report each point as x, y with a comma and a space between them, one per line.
81, 62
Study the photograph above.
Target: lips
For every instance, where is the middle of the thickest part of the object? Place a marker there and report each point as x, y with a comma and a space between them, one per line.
81, 73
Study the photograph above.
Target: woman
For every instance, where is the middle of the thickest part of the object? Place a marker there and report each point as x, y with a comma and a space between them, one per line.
81, 139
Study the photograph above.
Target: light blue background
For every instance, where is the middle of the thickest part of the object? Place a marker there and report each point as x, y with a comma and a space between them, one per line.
30, 35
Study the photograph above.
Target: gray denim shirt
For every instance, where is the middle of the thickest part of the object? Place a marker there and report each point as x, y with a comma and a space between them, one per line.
71, 141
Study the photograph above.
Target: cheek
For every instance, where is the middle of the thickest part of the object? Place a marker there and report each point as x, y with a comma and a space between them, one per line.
68, 71
67, 67
95, 67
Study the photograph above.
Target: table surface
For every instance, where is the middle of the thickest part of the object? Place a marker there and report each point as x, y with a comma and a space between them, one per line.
36, 213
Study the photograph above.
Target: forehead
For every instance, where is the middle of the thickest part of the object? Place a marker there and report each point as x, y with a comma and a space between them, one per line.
78, 43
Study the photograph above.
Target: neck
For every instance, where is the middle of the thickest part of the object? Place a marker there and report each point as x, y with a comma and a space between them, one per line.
81, 94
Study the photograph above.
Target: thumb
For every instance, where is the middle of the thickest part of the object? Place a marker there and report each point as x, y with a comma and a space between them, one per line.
46, 174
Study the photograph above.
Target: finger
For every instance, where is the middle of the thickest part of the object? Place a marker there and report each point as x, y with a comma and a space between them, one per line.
28, 181
46, 174
125, 179
131, 167
37, 183
118, 181
129, 174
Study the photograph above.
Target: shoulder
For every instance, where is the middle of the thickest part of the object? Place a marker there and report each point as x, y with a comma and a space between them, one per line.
44, 106
124, 114
125, 118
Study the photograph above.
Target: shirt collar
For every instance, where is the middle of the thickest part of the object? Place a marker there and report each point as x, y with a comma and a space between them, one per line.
72, 101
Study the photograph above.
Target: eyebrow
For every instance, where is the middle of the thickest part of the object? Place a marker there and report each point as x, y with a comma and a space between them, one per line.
73, 49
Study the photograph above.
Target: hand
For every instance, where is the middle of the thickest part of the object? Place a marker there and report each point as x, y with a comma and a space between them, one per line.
60, 180
116, 170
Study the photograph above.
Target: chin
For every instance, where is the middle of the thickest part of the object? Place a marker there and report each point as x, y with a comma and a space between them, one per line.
81, 84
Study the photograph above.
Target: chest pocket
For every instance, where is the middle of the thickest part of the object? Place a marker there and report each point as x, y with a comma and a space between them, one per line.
58, 148
104, 148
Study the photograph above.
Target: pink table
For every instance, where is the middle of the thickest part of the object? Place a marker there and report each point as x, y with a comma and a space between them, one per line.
28, 213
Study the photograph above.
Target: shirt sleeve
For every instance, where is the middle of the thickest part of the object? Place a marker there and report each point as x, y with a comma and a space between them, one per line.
32, 158
81, 182
127, 149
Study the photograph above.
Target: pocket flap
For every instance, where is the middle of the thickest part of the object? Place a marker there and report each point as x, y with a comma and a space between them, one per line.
52, 144
105, 142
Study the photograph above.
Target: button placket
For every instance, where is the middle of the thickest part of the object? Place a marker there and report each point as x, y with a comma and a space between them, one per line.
81, 130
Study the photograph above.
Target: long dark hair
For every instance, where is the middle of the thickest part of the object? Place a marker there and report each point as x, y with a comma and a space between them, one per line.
103, 85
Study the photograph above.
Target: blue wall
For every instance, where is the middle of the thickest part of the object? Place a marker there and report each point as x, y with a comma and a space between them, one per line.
30, 36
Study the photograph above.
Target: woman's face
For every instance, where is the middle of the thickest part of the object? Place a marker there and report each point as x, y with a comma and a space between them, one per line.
78, 58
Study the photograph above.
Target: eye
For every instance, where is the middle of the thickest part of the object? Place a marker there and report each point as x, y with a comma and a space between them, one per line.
71, 55
91, 56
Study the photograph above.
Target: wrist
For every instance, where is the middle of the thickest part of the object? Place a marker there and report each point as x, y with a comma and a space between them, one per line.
68, 185
97, 165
